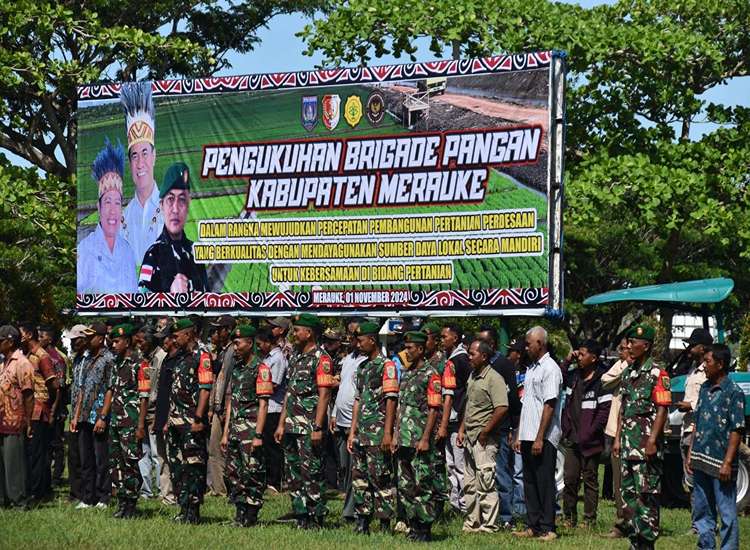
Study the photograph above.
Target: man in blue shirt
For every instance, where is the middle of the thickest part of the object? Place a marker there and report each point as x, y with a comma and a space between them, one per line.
712, 459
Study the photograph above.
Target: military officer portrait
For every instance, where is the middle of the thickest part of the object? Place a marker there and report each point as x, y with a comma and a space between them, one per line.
169, 265
106, 262
142, 219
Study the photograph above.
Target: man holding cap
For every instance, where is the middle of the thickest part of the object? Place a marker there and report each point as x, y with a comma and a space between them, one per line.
222, 328
303, 420
122, 406
697, 344
188, 419
639, 441
169, 265
16, 407
246, 414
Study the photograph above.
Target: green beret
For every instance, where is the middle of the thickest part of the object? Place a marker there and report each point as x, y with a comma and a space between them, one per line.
415, 337
307, 320
125, 329
177, 177
244, 331
642, 331
182, 323
431, 328
368, 328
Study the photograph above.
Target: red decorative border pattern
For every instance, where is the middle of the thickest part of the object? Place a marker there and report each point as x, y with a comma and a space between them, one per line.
331, 77
271, 302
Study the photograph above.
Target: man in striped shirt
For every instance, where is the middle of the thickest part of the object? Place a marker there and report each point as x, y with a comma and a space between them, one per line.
538, 436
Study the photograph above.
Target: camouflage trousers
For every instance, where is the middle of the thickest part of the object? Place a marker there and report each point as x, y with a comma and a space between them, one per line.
305, 475
373, 486
441, 485
640, 486
415, 483
188, 457
124, 454
245, 470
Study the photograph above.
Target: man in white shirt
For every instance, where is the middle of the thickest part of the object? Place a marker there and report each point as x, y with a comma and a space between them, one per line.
142, 220
538, 436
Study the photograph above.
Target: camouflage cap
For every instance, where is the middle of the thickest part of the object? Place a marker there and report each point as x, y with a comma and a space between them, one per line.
415, 337
431, 327
368, 328
182, 323
124, 329
642, 331
244, 331
307, 320
177, 177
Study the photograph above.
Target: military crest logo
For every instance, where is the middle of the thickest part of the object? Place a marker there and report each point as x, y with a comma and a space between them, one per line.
331, 111
265, 375
375, 107
309, 112
353, 110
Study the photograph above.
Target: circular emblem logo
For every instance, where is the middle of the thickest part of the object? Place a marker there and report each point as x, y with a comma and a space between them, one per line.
265, 375
353, 110
639, 331
375, 107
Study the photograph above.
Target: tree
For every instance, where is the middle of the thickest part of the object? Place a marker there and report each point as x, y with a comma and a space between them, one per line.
645, 203
49, 48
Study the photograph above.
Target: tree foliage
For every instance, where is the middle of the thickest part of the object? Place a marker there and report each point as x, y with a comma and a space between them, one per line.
645, 202
47, 49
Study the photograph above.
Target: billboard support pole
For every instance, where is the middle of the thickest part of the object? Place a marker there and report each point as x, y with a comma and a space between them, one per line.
556, 163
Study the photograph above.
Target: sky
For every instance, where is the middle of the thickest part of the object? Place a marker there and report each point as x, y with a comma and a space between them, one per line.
280, 51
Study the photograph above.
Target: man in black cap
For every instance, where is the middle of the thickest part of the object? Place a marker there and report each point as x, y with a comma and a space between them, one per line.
698, 343
169, 265
222, 328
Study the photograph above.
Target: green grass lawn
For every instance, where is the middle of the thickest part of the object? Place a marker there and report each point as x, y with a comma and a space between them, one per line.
57, 525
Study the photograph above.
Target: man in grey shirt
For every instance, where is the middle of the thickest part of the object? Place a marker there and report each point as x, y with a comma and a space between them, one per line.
342, 414
223, 359
273, 356
538, 436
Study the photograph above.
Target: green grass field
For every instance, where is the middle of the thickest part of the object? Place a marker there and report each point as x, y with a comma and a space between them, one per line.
184, 125
57, 525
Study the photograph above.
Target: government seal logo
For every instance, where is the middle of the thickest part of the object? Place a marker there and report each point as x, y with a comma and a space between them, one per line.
353, 110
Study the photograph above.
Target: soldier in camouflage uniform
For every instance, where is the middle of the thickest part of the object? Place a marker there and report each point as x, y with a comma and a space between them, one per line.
639, 441
303, 420
121, 405
247, 396
188, 420
419, 404
436, 357
371, 434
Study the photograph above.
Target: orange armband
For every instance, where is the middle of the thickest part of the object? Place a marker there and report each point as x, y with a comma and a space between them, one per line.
390, 378
434, 391
661, 394
263, 383
324, 373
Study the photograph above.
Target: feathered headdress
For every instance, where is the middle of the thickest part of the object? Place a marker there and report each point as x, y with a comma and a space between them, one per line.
108, 167
139, 112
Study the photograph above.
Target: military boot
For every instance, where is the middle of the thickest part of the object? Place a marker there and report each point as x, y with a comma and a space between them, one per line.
193, 515
303, 521
121, 508
362, 526
239, 515
130, 505
251, 515
182, 516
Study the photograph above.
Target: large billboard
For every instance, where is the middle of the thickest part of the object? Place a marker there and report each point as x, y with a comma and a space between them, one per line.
428, 188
